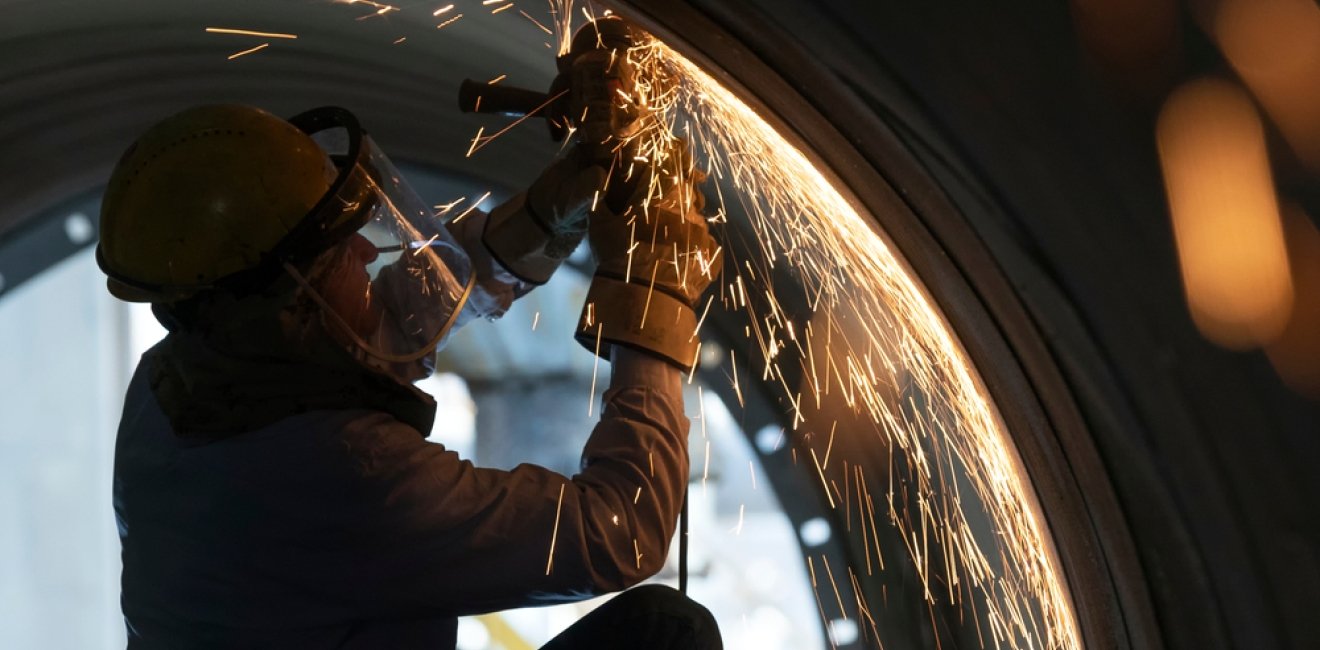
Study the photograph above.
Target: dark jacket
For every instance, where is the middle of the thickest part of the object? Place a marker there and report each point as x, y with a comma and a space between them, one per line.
347, 529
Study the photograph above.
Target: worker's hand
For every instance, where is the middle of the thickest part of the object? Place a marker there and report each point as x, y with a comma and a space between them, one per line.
532, 233
596, 89
662, 243
654, 260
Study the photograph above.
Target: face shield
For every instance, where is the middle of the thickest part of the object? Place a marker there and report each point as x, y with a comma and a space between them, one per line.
386, 273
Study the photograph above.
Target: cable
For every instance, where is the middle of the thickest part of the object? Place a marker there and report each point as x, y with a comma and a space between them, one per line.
683, 545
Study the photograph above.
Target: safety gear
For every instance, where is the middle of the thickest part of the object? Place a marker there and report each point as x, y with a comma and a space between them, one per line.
652, 264
600, 104
595, 89
391, 276
532, 233
385, 272
203, 195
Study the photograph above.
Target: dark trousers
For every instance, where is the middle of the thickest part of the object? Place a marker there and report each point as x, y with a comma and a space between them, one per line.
649, 617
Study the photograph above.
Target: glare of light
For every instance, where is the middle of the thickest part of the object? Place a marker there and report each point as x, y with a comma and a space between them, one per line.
711, 354
472, 634
457, 431
1225, 213
144, 330
1296, 353
1274, 45
769, 439
766, 626
78, 228
814, 531
844, 631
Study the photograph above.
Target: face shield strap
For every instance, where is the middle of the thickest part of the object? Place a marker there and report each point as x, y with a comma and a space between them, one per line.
372, 350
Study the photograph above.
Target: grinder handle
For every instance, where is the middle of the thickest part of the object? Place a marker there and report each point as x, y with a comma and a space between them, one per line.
481, 97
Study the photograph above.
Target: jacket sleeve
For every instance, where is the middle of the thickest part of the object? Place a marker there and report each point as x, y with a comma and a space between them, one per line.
444, 536
496, 288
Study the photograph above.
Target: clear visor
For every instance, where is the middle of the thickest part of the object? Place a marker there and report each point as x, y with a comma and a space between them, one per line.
394, 285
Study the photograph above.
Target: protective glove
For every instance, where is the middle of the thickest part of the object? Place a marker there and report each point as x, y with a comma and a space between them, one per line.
532, 233
653, 262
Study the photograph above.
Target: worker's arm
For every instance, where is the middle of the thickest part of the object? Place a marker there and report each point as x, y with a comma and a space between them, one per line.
495, 287
521, 243
441, 536
458, 539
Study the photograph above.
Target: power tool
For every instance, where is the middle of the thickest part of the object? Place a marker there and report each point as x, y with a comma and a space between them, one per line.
591, 98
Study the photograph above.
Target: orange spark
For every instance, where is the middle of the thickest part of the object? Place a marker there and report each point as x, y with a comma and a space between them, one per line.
245, 32
248, 51
554, 535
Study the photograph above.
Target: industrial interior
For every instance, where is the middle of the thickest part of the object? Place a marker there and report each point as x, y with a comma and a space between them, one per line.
1015, 344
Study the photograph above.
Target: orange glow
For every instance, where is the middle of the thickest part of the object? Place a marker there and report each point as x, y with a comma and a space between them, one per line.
1296, 354
1275, 46
1225, 214
1134, 43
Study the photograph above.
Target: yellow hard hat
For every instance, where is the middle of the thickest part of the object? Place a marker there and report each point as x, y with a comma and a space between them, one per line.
203, 195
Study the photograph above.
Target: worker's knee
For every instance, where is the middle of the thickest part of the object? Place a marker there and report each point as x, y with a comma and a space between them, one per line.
666, 606
649, 617
663, 598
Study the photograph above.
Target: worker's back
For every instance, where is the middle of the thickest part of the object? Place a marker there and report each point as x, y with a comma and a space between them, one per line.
265, 539
346, 528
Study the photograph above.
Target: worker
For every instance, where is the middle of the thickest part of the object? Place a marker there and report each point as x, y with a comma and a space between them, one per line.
273, 486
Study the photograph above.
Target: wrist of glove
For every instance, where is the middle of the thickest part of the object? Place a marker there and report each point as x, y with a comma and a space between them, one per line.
531, 234
653, 265
630, 315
